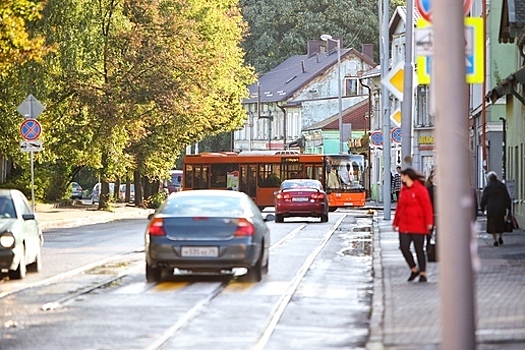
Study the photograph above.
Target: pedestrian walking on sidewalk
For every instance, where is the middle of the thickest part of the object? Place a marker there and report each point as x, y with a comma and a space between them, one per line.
413, 220
495, 199
430, 184
396, 184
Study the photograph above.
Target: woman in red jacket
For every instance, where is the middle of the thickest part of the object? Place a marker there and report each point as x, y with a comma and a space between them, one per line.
413, 220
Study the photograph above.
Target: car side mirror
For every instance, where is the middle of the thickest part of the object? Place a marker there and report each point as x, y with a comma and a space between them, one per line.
28, 216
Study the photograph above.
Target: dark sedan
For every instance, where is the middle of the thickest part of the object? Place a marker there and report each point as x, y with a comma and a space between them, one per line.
21, 238
301, 198
207, 231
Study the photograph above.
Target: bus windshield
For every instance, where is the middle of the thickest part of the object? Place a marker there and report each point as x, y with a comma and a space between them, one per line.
345, 173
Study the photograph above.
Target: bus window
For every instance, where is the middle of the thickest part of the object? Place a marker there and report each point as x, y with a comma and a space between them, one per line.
269, 175
293, 171
314, 172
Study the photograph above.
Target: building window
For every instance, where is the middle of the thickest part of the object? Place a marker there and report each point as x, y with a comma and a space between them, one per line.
352, 87
423, 118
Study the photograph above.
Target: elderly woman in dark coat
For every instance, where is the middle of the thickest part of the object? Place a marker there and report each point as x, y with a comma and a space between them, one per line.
496, 200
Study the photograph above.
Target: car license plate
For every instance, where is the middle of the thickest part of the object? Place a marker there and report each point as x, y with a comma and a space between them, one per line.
300, 199
200, 251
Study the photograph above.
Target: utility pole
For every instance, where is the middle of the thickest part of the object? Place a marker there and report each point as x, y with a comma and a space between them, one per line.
408, 90
385, 105
454, 213
504, 150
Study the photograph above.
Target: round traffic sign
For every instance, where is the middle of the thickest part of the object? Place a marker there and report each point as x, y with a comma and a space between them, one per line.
30, 129
424, 8
376, 138
396, 135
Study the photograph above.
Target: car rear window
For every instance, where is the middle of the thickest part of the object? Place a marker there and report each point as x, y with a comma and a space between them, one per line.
203, 206
301, 184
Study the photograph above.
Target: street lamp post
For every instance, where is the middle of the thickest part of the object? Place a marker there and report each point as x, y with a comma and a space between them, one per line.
327, 37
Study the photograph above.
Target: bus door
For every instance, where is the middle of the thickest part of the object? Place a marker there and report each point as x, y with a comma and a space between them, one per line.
248, 180
200, 176
268, 181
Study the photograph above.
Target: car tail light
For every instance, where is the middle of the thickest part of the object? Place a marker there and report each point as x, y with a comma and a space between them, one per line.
317, 196
284, 197
244, 228
156, 227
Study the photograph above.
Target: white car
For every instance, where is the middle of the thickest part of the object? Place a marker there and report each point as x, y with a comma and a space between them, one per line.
122, 192
95, 194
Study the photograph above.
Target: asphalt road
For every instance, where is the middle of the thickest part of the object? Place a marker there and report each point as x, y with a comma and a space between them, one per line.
92, 294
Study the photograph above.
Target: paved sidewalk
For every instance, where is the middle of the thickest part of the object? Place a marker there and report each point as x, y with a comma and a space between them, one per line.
407, 315
72, 216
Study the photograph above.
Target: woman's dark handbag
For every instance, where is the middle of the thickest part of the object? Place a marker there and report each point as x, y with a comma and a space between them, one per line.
431, 247
431, 252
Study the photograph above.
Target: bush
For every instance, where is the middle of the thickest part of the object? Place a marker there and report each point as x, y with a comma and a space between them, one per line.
155, 200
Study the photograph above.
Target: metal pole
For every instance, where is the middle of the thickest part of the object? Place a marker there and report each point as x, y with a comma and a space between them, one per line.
32, 182
385, 104
339, 91
454, 213
406, 106
504, 150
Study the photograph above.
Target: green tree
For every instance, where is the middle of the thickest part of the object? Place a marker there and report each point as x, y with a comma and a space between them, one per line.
281, 28
18, 46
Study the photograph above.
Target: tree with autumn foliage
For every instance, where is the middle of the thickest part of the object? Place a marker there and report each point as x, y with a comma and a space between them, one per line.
130, 83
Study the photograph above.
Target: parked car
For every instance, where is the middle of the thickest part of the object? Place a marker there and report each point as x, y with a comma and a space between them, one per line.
207, 231
76, 191
21, 238
122, 192
174, 184
95, 194
301, 198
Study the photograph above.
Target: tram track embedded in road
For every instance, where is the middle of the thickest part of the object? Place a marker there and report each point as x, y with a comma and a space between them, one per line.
277, 311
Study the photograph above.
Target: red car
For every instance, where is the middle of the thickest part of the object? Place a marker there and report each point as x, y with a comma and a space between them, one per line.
301, 198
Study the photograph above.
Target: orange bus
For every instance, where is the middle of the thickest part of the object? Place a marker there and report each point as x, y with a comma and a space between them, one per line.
260, 173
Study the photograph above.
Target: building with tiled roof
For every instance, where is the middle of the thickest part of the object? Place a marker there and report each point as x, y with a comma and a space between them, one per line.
302, 91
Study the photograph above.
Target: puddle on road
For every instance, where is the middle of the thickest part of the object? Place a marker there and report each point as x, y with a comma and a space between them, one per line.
108, 269
359, 241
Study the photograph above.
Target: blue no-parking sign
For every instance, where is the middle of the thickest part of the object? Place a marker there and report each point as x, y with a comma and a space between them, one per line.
30, 129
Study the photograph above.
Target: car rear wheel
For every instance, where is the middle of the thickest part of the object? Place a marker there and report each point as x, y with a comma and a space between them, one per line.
153, 274
279, 218
20, 272
37, 264
255, 273
324, 218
